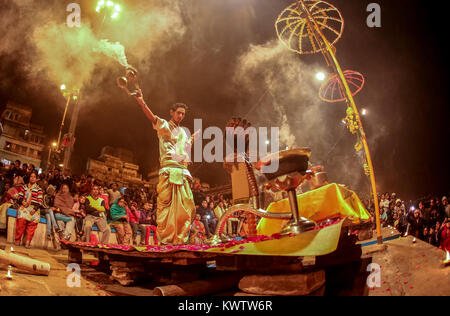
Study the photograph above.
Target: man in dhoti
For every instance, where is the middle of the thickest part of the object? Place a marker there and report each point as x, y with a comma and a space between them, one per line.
175, 205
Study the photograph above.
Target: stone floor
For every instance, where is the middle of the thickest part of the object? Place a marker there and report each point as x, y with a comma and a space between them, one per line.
407, 269
411, 269
55, 284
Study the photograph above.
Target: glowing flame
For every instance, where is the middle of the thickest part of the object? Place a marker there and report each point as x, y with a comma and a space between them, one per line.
9, 275
447, 260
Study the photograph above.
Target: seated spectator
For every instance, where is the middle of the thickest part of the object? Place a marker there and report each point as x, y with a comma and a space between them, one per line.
28, 215
64, 212
8, 200
244, 228
219, 210
208, 218
95, 210
43, 183
198, 231
80, 214
149, 221
105, 197
135, 218
119, 221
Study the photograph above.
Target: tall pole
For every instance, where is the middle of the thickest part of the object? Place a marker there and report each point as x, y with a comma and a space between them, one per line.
64, 118
72, 128
343, 82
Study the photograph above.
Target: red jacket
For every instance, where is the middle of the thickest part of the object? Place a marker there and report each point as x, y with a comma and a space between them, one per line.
132, 218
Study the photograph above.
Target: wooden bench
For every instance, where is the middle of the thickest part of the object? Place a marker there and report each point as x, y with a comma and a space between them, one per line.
40, 239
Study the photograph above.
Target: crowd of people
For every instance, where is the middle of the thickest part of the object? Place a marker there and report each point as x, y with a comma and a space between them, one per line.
428, 220
71, 206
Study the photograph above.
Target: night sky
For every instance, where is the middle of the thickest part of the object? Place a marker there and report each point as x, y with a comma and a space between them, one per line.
404, 63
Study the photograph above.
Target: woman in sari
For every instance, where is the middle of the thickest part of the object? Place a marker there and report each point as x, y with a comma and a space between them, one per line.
64, 212
28, 215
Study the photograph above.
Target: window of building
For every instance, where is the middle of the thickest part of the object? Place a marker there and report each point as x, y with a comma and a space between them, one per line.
8, 146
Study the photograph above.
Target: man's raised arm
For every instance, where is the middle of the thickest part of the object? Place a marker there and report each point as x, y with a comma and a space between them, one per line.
140, 99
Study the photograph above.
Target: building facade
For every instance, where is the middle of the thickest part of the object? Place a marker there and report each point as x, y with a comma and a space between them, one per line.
110, 167
20, 139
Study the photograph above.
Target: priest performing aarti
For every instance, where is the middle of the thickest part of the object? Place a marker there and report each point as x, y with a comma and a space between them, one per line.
175, 204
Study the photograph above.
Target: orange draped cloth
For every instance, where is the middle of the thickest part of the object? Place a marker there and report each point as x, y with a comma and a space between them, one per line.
330, 201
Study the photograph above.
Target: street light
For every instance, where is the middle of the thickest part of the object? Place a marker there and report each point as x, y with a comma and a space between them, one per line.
321, 76
108, 7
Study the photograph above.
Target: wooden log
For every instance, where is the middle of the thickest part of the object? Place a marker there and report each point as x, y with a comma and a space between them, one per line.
283, 285
200, 287
75, 256
319, 292
25, 264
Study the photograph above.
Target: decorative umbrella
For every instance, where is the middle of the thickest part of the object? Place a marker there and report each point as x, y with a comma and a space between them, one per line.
331, 91
297, 34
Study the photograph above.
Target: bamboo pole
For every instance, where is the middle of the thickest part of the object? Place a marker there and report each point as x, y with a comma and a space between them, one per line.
24, 263
343, 82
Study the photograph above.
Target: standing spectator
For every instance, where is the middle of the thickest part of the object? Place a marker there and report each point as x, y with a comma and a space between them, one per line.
95, 210
402, 222
15, 171
55, 179
445, 236
114, 193
120, 223
435, 236
66, 178
424, 235
446, 207
28, 216
416, 225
